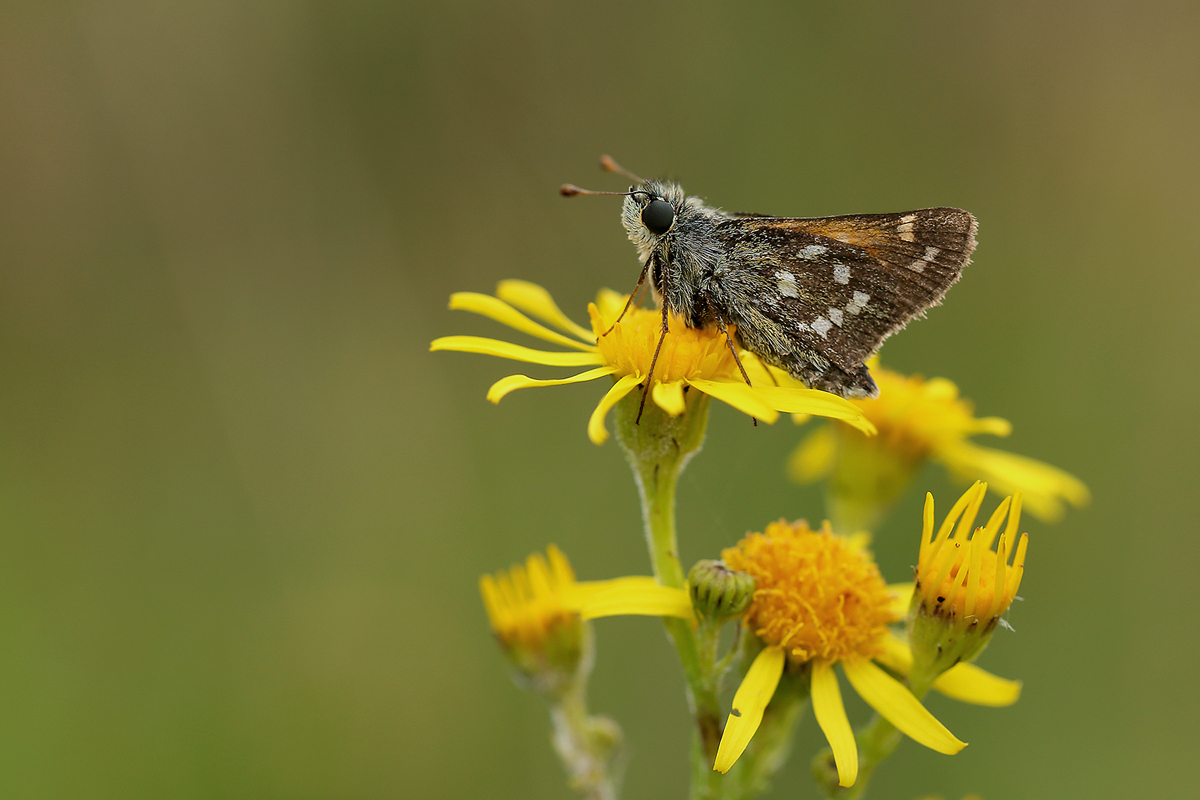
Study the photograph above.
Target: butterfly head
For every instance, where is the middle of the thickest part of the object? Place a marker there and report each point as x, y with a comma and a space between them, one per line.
651, 211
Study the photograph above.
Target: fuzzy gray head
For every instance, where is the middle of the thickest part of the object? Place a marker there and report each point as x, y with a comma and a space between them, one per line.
650, 213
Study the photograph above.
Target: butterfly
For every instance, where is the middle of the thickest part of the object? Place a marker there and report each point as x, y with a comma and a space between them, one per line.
814, 296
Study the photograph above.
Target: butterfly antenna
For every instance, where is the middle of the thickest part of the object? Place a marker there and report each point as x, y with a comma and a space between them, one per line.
609, 165
571, 190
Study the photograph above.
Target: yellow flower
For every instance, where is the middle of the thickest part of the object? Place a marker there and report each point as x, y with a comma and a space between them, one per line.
820, 600
689, 358
962, 585
537, 612
920, 419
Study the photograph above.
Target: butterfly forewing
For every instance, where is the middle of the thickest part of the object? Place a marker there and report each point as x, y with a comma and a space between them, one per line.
839, 286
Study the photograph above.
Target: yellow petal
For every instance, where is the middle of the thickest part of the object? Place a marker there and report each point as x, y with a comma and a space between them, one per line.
1045, 487
896, 655
609, 305
513, 382
792, 400
970, 684
495, 347
576, 595
629, 598
669, 397
495, 308
996, 426
813, 457
896, 704
740, 396
901, 597
537, 302
831, 716
759, 371
560, 566
596, 430
756, 691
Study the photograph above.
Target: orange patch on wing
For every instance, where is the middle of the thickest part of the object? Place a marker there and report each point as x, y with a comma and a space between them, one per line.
846, 231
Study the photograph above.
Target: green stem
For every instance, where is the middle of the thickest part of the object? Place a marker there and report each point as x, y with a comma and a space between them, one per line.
658, 448
587, 745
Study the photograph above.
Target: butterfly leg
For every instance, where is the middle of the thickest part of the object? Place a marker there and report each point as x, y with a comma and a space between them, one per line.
632, 297
736, 360
653, 361
733, 350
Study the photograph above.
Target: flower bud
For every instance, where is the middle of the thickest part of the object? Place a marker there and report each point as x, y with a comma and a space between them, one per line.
719, 592
963, 585
548, 644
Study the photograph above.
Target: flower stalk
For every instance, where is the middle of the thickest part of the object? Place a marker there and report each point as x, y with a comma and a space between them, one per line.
658, 448
588, 746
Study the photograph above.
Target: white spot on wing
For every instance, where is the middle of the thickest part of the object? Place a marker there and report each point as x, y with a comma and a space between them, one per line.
811, 251
787, 283
822, 326
857, 303
905, 228
925, 260
835, 316
841, 273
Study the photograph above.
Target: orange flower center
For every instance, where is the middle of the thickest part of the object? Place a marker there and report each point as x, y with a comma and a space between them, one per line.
817, 595
687, 353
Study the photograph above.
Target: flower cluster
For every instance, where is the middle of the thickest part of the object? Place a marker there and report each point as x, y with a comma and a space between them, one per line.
811, 601
822, 601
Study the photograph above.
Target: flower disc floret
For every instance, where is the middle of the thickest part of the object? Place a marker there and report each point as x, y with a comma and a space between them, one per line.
818, 596
687, 354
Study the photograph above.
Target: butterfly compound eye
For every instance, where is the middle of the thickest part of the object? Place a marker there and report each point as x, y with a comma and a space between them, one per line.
658, 216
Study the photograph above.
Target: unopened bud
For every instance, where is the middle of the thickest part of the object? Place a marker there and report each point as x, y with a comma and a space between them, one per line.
718, 591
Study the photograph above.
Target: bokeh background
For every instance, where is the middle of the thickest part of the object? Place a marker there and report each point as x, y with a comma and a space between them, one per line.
243, 510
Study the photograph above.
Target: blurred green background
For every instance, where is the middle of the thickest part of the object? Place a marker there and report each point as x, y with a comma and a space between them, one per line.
244, 510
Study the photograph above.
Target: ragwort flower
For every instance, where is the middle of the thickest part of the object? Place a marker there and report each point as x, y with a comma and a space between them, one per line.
537, 611
962, 584
921, 419
689, 358
820, 601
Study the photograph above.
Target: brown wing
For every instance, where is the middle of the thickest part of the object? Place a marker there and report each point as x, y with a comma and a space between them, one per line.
813, 294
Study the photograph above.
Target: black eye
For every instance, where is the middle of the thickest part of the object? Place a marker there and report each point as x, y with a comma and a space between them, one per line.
658, 217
